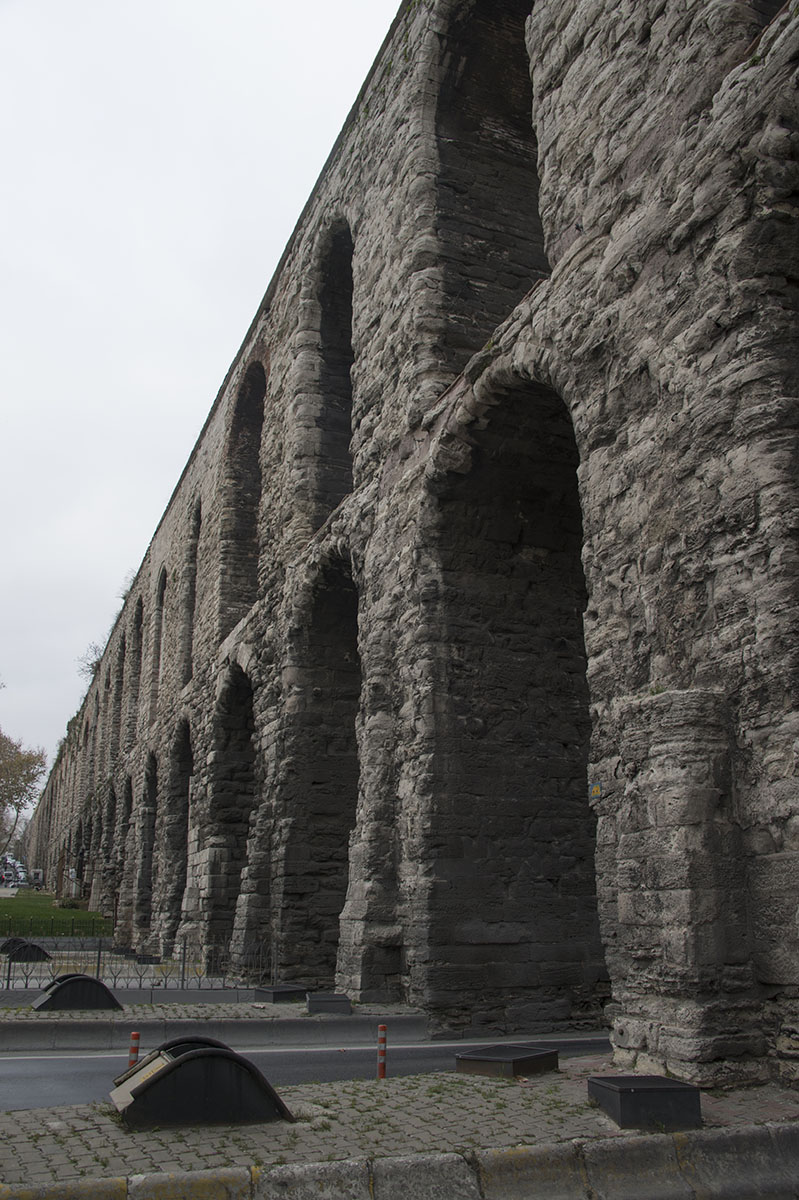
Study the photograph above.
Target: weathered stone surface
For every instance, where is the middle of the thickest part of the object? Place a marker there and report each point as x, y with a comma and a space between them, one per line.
497, 501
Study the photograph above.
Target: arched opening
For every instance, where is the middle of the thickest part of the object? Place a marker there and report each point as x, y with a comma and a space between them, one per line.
233, 796
239, 539
137, 659
488, 222
321, 802
190, 595
107, 854
513, 921
334, 478
766, 10
174, 836
116, 701
122, 864
145, 874
158, 632
79, 860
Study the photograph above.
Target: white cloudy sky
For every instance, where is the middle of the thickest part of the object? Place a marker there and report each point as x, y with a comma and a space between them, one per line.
154, 158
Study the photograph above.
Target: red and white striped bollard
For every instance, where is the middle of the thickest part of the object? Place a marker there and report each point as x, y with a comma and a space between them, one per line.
133, 1057
381, 1051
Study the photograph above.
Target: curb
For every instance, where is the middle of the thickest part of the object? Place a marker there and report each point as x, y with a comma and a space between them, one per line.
747, 1161
81, 1034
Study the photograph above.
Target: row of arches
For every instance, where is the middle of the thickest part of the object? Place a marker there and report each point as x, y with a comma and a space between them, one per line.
261, 847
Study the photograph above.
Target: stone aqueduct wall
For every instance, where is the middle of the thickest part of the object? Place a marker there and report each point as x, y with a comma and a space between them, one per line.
498, 501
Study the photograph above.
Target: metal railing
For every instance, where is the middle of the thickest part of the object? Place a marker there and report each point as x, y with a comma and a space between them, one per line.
26, 967
78, 925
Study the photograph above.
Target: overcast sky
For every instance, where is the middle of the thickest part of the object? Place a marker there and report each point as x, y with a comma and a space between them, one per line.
155, 158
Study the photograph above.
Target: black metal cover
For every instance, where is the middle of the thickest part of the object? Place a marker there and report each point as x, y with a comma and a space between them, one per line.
647, 1101
210, 1085
20, 950
507, 1061
75, 991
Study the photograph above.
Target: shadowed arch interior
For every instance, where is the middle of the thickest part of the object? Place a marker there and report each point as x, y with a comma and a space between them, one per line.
492, 239
239, 539
233, 797
334, 478
174, 836
321, 801
513, 724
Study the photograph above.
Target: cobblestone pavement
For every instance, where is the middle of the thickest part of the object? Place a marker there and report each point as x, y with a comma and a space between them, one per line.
416, 1114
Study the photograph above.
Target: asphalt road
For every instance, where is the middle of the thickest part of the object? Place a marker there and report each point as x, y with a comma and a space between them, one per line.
47, 1080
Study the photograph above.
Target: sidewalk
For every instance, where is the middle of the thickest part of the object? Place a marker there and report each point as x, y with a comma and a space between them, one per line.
432, 1137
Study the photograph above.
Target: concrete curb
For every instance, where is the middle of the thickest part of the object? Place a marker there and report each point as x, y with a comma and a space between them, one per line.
78, 1034
713, 1164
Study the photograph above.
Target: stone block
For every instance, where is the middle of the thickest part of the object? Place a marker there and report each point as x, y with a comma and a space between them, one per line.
635, 1168
425, 1177
533, 1173
314, 1181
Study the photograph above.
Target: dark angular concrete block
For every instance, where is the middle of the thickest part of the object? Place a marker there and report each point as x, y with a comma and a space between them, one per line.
281, 993
329, 1002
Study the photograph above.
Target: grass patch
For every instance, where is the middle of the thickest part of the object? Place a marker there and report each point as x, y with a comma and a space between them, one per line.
34, 914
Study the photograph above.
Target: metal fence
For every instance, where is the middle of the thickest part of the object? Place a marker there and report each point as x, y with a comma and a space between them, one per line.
61, 926
35, 963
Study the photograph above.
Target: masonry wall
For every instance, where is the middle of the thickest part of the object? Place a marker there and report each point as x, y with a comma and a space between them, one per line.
461, 668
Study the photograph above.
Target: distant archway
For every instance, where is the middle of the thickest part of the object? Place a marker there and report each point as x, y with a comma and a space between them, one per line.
145, 875
174, 836
334, 476
233, 797
489, 227
321, 801
239, 536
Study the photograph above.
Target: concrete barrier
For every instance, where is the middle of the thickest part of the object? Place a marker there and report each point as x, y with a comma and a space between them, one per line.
715, 1164
313, 1181
75, 1033
553, 1172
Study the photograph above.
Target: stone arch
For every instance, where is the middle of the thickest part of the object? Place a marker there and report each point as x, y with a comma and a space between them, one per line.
77, 848
173, 836
508, 774
158, 634
137, 661
233, 796
109, 879
319, 803
239, 534
116, 701
189, 597
123, 848
146, 876
487, 187
336, 357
